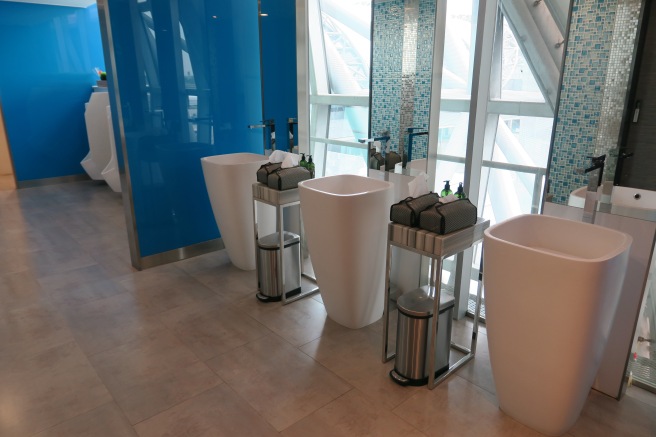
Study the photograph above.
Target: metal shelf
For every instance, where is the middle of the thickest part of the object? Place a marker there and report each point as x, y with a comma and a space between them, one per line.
436, 247
281, 200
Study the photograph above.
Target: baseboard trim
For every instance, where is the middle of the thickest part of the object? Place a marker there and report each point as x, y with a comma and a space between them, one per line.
32, 183
178, 254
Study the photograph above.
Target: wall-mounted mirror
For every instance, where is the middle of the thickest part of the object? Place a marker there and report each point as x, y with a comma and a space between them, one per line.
607, 108
607, 102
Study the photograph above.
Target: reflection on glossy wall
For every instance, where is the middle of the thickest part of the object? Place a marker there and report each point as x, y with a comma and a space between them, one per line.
47, 60
189, 83
595, 81
389, 73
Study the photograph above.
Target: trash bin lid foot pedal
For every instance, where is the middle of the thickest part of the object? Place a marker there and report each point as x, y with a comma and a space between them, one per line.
266, 299
403, 381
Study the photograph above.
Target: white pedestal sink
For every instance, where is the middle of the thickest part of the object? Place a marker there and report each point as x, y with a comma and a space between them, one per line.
551, 291
345, 219
229, 180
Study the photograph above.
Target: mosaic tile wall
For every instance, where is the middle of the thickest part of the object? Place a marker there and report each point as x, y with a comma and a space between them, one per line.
617, 82
409, 67
388, 76
425, 33
592, 97
387, 69
594, 86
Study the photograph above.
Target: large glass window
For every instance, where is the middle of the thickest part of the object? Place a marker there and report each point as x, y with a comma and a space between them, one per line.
517, 123
340, 46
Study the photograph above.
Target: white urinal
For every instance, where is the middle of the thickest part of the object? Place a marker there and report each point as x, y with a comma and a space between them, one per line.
229, 180
551, 291
110, 172
345, 219
95, 116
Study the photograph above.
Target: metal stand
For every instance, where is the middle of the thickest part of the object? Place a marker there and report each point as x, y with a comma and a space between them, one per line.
436, 247
281, 200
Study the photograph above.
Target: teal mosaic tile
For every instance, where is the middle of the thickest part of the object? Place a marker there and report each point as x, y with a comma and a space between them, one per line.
582, 92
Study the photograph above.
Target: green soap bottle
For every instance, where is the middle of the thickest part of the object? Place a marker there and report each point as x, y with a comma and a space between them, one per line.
303, 162
310, 166
460, 192
447, 189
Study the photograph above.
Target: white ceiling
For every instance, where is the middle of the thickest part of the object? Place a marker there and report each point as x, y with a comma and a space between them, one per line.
71, 3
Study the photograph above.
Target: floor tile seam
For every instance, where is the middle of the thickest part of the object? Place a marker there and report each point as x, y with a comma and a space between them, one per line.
319, 408
475, 384
417, 392
121, 278
342, 379
482, 390
129, 389
189, 318
134, 425
10, 358
307, 414
404, 420
89, 356
58, 302
308, 342
221, 354
112, 401
395, 410
95, 372
74, 309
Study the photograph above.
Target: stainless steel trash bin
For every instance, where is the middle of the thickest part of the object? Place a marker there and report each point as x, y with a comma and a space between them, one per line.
412, 339
267, 266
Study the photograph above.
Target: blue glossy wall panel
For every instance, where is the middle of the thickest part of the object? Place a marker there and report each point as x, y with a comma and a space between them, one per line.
189, 83
279, 65
47, 57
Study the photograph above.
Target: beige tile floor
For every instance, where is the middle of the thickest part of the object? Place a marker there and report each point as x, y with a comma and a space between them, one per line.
91, 347
7, 182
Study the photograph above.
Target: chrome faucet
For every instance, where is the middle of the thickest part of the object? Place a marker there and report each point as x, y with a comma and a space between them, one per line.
271, 125
384, 137
411, 135
595, 171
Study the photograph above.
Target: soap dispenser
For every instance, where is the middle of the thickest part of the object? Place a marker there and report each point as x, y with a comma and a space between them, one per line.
460, 192
303, 162
310, 166
447, 190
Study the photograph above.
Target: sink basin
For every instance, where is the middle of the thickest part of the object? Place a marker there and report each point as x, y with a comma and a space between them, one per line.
633, 198
577, 197
229, 179
345, 219
551, 291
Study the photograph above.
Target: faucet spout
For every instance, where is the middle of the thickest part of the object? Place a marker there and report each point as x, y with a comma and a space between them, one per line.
596, 171
270, 140
384, 137
411, 135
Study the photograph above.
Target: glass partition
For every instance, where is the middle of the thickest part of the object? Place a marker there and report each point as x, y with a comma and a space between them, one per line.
186, 82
